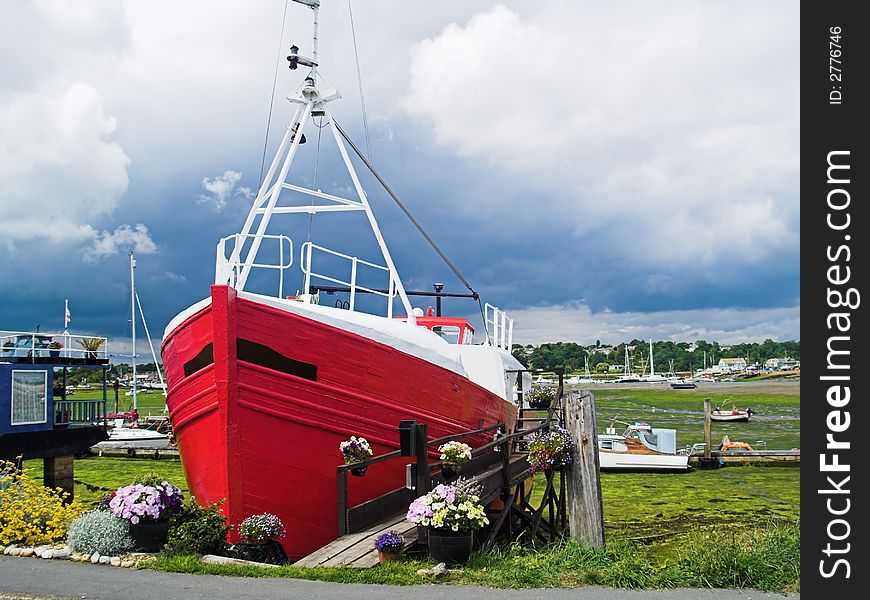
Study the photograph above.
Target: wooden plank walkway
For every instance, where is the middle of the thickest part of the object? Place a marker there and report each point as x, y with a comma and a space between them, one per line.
357, 549
755, 457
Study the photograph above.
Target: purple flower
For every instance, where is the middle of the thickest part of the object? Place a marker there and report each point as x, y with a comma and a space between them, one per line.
390, 542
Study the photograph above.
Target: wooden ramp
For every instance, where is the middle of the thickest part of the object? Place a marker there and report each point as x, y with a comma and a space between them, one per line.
357, 549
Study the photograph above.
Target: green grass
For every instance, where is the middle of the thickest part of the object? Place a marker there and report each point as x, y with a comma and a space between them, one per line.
777, 418
767, 558
151, 402
95, 476
731, 527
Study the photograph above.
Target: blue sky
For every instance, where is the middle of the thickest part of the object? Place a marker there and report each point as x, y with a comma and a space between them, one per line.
600, 170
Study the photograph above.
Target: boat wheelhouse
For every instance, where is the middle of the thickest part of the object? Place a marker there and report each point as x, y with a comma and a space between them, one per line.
640, 447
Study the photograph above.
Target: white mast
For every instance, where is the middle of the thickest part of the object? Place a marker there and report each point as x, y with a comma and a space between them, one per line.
652, 368
133, 325
312, 102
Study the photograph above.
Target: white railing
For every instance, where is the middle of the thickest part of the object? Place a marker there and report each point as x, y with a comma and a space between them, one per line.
499, 327
229, 268
305, 259
30, 344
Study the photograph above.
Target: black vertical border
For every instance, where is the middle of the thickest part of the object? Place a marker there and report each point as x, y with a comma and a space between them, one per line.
827, 127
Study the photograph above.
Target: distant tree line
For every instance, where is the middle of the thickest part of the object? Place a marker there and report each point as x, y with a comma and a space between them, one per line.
686, 356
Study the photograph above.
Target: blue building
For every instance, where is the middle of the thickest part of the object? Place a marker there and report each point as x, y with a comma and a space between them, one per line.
38, 418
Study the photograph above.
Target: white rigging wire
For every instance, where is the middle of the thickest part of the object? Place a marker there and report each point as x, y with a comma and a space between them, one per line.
272, 97
362, 99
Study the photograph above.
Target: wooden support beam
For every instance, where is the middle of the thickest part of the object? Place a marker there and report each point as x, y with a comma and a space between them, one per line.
586, 509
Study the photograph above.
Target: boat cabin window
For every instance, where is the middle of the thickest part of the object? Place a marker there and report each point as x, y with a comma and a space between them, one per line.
449, 332
453, 330
29, 397
606, 444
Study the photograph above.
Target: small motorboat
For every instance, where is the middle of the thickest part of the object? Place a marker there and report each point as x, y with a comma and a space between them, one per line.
640, 447
731, 414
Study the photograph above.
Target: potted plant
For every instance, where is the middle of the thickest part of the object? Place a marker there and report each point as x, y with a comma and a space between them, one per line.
259, 539
354, 450
148, 508
54, 348
541, 396
389, 546
550, 449
453, 454
452, 513
8, 345
91, 346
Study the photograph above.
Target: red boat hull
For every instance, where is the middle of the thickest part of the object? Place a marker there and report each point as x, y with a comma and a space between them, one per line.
260, 398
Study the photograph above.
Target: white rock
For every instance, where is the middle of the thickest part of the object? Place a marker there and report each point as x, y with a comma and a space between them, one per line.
95, 557
40, 549
47, 553
61, 554
116, 561
27, 552
2, 549
104, 560
127, 563
8, 549
15, 552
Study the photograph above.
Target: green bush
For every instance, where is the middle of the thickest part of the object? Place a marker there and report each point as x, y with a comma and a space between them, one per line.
99, 531
198, 530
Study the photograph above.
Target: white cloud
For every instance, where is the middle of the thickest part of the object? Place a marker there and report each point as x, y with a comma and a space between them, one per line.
641, 125
59, 169
223, 187
123, 239
576, 323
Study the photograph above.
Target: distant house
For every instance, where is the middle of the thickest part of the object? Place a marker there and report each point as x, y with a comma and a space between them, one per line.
602, 350
732, 364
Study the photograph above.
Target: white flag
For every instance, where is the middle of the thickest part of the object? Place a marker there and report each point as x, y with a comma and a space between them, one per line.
66, 317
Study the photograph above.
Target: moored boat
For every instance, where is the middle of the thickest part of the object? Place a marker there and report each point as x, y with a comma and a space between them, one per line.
640, 447
264, 387
731, 414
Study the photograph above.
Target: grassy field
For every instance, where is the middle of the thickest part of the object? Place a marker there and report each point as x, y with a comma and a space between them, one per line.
663, 529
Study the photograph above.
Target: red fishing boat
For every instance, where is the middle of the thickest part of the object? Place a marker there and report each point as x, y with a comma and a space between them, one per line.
263, 387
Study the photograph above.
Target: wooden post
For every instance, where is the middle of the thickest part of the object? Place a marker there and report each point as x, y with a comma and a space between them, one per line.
707, 431
585, 507
424, 481
708, 462
58, 472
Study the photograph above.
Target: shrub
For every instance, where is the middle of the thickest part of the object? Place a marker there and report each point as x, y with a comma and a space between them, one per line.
99, 531
32, 514
198, 530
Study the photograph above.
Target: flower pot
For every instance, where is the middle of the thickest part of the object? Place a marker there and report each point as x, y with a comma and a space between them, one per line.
149, 536
359, 471
450, 472
450, 547
385, 557
54, 353
262, 551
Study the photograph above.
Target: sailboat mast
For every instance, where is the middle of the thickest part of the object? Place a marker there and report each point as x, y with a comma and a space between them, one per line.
133, 325
652, 367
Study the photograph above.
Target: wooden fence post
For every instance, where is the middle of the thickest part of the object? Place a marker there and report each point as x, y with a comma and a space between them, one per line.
585, 507
424, 480
708, 462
